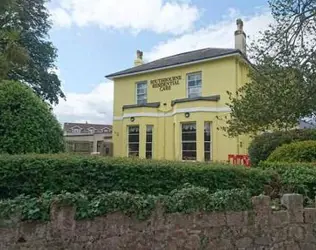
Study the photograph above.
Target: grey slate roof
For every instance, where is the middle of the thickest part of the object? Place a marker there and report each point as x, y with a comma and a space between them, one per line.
187, 57
86, 126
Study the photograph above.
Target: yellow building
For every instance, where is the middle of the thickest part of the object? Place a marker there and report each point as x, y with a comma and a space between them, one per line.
168, 108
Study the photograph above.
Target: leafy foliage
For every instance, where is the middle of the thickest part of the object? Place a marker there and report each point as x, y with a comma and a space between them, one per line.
11, 53
293, 177
26, 122
26, 55
140, 206
191, 199
303, 151
263, 145
282, 86
36, 174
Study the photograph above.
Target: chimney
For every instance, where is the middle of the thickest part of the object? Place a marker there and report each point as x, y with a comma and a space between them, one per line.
240, 37
139, 58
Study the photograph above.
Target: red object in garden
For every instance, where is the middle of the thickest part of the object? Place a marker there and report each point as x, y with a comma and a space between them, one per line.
239, 160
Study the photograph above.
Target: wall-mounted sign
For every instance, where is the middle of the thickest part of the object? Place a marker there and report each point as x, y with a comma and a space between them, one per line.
165, 83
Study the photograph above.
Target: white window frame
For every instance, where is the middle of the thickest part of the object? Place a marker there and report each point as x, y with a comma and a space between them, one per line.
137, 94
197, 87
181, 129
128, 142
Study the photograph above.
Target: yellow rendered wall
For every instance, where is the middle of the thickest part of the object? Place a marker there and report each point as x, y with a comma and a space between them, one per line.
217, 77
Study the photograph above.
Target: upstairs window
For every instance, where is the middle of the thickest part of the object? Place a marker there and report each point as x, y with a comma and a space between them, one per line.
141, 92
76, 130
194, 85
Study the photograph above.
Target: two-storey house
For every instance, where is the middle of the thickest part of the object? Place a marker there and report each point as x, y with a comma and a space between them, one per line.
88, 138
169, 108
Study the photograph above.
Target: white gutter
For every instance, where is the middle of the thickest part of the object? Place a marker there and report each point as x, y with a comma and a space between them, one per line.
178, 65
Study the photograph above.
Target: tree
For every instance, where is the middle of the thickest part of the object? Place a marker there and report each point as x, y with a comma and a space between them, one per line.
11, 53
282, 86
26, 122
29, 21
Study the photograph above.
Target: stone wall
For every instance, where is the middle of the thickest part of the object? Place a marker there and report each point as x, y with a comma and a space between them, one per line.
292, 228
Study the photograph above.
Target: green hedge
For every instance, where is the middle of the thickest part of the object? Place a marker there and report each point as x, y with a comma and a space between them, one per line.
293, 177
36, 174
302, 151
263, 145
186, 200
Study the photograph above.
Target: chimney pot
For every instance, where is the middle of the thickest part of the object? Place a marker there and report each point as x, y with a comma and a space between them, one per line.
139, 58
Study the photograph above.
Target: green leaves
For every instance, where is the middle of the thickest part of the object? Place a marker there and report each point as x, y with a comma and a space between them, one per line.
282, 87
26, 123
263, 145
26, 55
303, 151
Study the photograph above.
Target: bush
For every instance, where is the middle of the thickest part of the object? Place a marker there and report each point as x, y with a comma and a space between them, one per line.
303, 151
141, 206
36, 174
27, 124
263, 145
293, 177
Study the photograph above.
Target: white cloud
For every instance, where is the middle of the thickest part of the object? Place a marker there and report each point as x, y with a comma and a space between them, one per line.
220, 35
174, 16
61, 18
93, 107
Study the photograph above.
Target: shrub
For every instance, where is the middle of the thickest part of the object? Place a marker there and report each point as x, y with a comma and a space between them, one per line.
36, 174
293, 177
263, 145
141, 206
302, 151
27, 124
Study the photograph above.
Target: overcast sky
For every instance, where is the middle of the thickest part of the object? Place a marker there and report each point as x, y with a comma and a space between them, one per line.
98, 37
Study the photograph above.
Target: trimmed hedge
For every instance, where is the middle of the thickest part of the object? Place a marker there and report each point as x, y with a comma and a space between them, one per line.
302, 151
263, 145
186, 200
36, 174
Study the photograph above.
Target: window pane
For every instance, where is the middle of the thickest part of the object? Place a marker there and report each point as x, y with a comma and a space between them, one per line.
189, 155
149, 138
133, 129
207, 146
149, 155
133, 154
133, 147
207, 156
148, 146
187, 146
190, 127
149, 129
189, 136
133, 138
